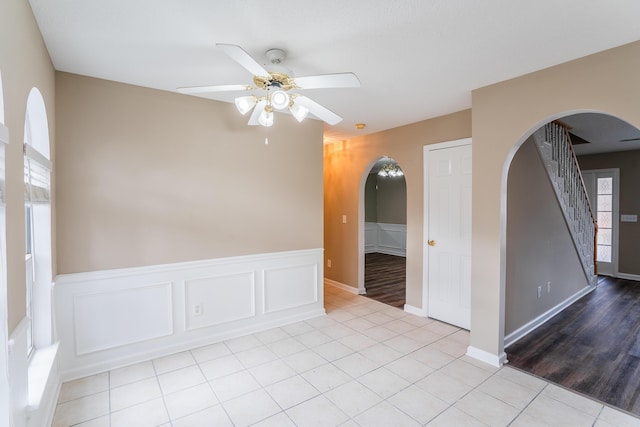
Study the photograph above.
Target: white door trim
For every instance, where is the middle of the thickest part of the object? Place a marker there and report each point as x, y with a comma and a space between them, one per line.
427, 149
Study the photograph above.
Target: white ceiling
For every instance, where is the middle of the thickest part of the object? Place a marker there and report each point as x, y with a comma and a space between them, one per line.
416, 59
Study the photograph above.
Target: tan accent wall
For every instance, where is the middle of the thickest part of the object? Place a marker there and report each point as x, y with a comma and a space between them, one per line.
504, 115
346, 165
540, 249
150, 177
629, 233
24, 64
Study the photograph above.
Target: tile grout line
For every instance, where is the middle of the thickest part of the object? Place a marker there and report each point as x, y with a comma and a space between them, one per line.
365, 309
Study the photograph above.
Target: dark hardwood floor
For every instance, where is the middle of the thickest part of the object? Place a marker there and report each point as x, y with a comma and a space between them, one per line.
385, 278
592, 347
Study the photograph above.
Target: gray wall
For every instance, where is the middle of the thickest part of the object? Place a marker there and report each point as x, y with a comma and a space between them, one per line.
371, 199
388, 203
629, 233
539, 246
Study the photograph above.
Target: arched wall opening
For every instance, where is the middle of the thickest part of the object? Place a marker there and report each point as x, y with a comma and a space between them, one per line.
385, 232
584, 313
506, 113
540, 268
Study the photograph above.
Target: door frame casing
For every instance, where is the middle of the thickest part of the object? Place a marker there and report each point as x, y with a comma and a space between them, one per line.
425, 225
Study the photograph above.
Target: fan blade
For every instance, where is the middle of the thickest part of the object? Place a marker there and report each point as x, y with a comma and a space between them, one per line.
326, 81
253, 120
239, 55
318, 110
219, 88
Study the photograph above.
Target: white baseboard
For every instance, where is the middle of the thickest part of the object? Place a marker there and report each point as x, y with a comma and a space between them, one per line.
415, 310
544, 317
389, 251
486, 357
628, 276
344, 287
175, 307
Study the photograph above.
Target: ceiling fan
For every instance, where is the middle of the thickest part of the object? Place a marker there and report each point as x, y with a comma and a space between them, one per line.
277, 89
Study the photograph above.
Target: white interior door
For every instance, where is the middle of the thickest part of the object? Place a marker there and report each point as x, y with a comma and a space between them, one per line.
603, 188
448, 231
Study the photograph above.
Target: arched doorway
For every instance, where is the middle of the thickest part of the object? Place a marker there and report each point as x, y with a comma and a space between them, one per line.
385, 232
556, 322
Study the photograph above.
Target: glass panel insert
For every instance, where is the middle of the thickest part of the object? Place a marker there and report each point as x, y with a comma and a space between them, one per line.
605, 203
604, 236
604, 219
605, 186
604, 253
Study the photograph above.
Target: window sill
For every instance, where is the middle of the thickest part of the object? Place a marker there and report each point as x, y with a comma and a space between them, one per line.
41, 369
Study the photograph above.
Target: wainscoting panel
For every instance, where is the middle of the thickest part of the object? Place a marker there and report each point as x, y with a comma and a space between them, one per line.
222, 299
290, 287
390, 239
108, 319
104, 320
370, 237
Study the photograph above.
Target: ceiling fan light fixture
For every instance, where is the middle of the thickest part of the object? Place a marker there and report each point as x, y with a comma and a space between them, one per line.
390, 170
279, 100
276, 81
244, 104
298, 111
266, 117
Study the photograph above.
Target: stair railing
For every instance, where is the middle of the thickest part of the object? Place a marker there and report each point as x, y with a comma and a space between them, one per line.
555, 148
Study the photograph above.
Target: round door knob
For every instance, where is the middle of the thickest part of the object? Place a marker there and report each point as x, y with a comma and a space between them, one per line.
431, 242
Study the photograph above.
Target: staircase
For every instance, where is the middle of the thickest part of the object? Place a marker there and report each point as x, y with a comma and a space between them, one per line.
556, 151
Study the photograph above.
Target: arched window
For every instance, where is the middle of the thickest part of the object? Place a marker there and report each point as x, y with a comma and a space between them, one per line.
37, 172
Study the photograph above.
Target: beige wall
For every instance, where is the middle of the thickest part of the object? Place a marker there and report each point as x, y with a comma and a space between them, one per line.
24, 64
149, 177
505, 114
540, 249
629, 233
346, 165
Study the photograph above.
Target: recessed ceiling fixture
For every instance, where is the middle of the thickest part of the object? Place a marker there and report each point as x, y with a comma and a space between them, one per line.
360, 126
277, 89
390, 170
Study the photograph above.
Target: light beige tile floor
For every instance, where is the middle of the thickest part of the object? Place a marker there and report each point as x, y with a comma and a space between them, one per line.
364, 364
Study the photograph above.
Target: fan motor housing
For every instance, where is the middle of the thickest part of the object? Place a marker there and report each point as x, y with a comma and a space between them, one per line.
275, 80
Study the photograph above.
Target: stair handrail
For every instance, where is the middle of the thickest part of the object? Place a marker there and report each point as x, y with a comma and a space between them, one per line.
575, 162
594, 220
555, 148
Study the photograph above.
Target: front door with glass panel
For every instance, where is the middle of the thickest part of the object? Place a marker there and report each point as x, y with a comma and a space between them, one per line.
602, 188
